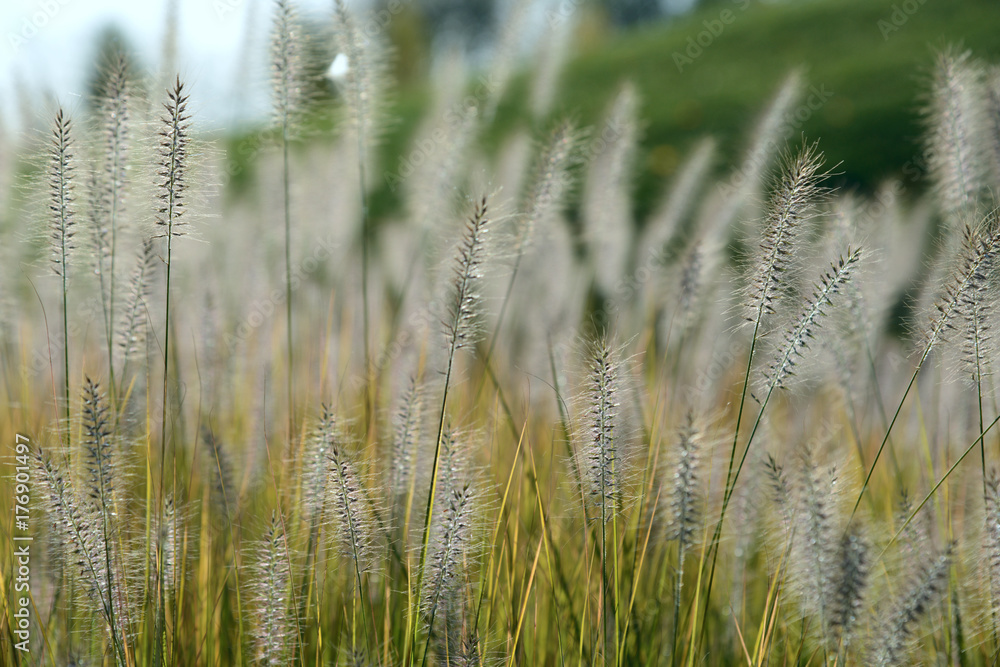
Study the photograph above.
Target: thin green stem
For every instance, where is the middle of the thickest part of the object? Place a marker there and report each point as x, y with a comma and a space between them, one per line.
288, 273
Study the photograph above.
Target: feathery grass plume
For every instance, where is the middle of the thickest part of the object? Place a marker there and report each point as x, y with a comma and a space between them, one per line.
815, 546
554, 50
684, 494
926, 588
173, 158
359, 72
915, 538
959, 306
975, 303
287, 90
461, 329
62, 213
275, 625
550, 183
797, 337
607, 205
224, 496
850, 584
602, 449
109, 187
446, 562
407, 425
100, 466
354, 526
991, 540
976, 260
174, 139
462, 325
315, 463
694, 285
957, 129
781, 490
793, 204
604, 464
287, 85
166, 545
993, 122
684, 504
507, 43
83, 544
772, 128
134, 323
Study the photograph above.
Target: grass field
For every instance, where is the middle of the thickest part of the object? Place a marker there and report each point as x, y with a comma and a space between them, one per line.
619, 371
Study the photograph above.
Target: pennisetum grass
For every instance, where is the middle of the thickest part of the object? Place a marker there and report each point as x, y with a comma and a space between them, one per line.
685, 507
968, 278
461, 329
133, 327
927, 586
547, 191
571, 570
62, 220
957, 121
353, 523
603, 456
275, 624
792, 205
287, 89
109, 186
359, 72
174, 141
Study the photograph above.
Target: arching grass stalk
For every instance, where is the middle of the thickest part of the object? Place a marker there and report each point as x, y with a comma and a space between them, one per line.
796, 340
61, 208
287, 91
173, 148
460, 331
976, 263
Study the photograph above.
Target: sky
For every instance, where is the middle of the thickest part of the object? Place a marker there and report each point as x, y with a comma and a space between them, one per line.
47, 48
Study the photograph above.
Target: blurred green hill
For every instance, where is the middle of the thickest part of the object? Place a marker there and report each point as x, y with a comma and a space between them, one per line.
713, 71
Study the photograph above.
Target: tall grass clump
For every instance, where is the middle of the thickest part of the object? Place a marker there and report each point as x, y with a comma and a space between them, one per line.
596, 424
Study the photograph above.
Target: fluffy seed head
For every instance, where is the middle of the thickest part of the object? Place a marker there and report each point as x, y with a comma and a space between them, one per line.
173, 156
463, 302
131, 334
550, 183
963, 305
797, 338
792, 205
351, 509
62, 212
958, 125
287, 87
274, 627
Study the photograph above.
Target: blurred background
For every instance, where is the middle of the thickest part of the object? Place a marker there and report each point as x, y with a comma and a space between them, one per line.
701, 67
